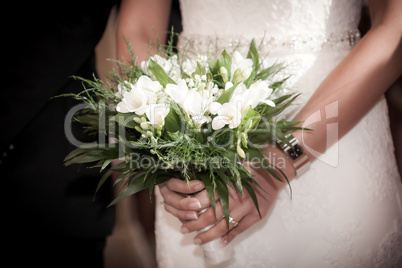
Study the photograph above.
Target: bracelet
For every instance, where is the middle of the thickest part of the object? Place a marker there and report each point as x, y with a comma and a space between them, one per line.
295, 153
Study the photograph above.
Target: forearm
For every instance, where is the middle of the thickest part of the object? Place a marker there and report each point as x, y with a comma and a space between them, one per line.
141, 23
353, 87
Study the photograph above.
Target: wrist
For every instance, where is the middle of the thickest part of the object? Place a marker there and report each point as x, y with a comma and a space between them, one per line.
295, 153
278, 159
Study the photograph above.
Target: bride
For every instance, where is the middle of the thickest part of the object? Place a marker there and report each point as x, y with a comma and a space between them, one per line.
345, 210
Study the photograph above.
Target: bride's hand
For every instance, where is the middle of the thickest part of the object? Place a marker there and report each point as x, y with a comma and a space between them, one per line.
242, 209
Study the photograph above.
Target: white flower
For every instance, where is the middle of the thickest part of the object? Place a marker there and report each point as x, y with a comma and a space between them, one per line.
228, 114
156, 114
189, 66
250, 98
241, 66
122, 88
170, 66
148, 86
142, 93
193, 103
177, 92
134, 102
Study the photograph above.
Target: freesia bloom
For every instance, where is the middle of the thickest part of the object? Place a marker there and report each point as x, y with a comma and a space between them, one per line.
122, 88
156, 114
241, 66
170, 66
177, 92
251, 97
142, 93
228, 114
134, 102
196, 104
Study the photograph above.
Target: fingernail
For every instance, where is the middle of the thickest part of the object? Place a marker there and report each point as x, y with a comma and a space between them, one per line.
224, 242
199, 187
194, 205
197, 241
192, 216
184, 230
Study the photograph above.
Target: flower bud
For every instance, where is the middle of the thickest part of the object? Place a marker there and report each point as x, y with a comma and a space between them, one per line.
144, 125
137, 120
240, 151
244, 138
138, 129
224, 74
243, 76
248, 125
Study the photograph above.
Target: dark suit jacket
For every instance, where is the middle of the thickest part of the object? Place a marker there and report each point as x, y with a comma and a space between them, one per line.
46, 43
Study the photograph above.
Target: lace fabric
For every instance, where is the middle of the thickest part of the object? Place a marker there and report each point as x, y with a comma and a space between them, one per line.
346, 211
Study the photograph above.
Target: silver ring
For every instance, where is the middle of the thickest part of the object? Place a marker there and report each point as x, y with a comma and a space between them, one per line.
232, 221
162, 203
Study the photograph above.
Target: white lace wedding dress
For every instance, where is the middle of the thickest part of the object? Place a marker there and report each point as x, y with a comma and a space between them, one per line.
346, 211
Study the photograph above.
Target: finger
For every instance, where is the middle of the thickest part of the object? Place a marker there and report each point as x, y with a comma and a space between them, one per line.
205, 219
179, 201
185, 202
182, 215
243, 225
182, 186
217, 231
203, 197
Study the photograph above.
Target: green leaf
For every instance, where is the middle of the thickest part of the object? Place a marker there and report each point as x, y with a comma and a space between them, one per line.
227, 95
253, 55
223, 193
225, 60
224, 177
89, 153
200, 70
269, 72
210, 188
278, 84
133, 187
251, 192
256, 156
173, 122
250, 119
160, 74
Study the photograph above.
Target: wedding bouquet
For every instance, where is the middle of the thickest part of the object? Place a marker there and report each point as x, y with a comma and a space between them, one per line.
197, 117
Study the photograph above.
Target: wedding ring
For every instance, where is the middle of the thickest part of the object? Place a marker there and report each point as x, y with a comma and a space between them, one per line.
232, 221
162, 203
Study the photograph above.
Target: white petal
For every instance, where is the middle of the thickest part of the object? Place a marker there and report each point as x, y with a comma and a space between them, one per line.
136, 102
270, 103
218, 123
214, 107
121, 107
192, 103
228, 85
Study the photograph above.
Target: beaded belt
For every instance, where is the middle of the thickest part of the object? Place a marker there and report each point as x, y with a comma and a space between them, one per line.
201, 43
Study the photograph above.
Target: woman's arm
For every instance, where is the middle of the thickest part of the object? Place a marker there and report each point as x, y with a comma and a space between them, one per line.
357, 83
141, 22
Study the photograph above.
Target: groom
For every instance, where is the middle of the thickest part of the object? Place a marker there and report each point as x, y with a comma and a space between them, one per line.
48, 215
